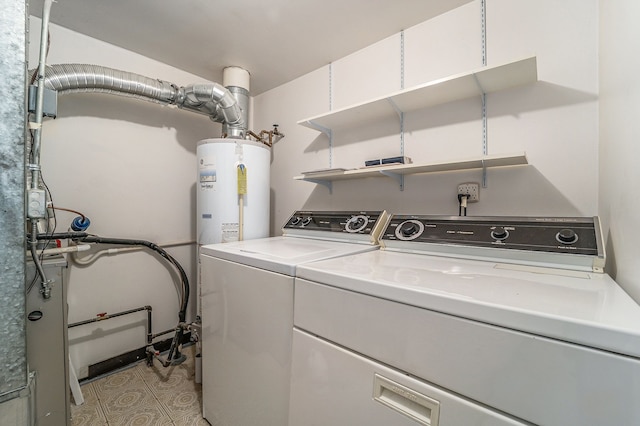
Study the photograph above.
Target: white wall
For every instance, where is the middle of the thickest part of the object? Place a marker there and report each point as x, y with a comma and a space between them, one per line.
555, 121
130, 167
619, 146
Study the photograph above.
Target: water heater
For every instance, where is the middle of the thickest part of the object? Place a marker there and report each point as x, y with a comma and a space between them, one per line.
224, 213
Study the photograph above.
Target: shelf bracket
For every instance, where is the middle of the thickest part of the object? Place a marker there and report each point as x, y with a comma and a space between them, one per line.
395, 107
397, 176
327, 131
480, 88
326, 183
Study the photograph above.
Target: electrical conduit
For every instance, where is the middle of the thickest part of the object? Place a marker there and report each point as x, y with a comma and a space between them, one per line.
35, 195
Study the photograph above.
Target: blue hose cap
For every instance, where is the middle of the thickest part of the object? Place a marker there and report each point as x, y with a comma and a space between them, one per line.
80, 224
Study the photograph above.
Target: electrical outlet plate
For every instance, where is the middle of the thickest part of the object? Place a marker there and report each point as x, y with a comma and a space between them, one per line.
472, 189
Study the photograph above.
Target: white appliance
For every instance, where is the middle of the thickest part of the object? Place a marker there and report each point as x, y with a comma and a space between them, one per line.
224, 214
247, 311
48, 342
467, 321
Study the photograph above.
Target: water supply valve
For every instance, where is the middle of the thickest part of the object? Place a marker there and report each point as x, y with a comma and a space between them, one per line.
80, 223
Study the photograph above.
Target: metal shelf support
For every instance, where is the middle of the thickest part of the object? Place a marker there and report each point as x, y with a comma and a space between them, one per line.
397, 176
326, 183
483, 28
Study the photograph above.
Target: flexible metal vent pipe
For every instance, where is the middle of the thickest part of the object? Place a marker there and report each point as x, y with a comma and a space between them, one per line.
210, 99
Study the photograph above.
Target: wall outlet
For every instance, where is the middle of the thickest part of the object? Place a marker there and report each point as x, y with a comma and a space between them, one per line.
472, 189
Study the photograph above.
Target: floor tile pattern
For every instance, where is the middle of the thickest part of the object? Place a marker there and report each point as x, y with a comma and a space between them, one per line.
141, 395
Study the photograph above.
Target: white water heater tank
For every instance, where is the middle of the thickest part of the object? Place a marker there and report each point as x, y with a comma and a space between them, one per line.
221, 163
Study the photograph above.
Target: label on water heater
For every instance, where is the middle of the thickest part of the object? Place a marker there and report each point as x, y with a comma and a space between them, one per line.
242, 179
207, 173
230, 232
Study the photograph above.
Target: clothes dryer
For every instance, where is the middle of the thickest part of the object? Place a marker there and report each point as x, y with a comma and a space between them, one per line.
463, 321
247, 311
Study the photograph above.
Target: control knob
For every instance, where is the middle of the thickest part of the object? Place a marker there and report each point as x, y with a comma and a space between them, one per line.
306, 221
409, 230
499, 233
296, 220
567, 236
356, 223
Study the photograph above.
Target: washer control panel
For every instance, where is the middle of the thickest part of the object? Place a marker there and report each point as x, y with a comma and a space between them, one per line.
349, 222
554, 235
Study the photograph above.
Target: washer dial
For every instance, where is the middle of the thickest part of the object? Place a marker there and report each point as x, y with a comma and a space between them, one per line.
567, 236
409, 230
499, 233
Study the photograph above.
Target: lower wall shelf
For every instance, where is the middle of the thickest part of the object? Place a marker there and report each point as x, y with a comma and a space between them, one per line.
397, 171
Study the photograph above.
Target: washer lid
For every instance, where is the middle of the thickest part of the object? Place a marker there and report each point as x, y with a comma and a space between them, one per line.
282, 254
584, 308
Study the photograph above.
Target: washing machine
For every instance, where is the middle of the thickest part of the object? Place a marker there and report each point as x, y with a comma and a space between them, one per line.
467, 321
247, 311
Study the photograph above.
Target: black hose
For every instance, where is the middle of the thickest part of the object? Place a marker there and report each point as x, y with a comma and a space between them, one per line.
183, 275
61, 236
174, 353
83, 236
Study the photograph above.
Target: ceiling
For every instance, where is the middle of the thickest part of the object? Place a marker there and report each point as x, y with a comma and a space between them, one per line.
275, 40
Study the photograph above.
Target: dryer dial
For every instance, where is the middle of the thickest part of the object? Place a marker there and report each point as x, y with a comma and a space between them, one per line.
356, 223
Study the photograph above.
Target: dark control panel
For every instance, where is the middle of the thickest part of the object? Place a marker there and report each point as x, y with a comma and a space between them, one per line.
351, 222
554, 235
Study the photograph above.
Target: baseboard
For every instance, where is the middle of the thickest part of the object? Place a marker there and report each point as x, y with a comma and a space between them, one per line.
123, 360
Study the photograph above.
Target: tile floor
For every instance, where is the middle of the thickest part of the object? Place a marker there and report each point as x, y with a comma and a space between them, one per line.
142, 395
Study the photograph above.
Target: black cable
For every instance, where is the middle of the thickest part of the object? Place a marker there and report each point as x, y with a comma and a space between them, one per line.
53, 212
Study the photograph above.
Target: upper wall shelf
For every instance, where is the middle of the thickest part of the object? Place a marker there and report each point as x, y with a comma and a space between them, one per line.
448, 89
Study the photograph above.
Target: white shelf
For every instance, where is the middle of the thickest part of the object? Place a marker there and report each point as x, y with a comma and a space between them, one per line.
452, 88
398, 170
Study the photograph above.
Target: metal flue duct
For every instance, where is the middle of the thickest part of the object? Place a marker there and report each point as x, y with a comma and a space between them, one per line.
211, 99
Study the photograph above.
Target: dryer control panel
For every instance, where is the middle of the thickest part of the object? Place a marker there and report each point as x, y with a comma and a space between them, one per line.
337, 224
559, 238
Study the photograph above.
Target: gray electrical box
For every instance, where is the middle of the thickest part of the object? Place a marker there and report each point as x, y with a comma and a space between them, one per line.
48, 343
50, 105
